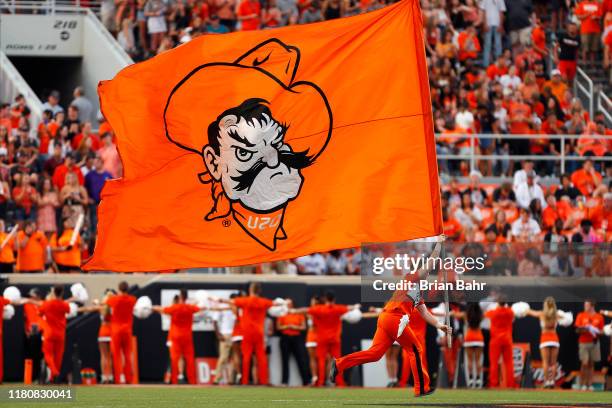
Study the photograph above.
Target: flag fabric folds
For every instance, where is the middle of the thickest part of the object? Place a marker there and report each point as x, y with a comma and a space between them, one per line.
259, 146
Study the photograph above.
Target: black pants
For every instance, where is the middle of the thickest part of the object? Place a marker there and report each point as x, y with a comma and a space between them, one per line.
293, 345
33, 351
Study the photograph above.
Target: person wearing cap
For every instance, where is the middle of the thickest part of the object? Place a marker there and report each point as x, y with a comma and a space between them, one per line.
475, 190
528, 191
52, 103
214, 26
69, 165
558, 88
566, 52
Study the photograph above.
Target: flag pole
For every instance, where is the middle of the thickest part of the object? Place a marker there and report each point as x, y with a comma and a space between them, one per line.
449, 336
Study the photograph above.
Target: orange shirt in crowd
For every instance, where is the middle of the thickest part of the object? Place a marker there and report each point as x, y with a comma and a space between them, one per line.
501, 323
495, 72
584, 319
6, 254
71, 257
76, 141
54, 313
31, 317
3, 302
248, 8
122, 308
326, 319
601, 218
469, 46
452, 227
519, 114
59, 175
538, 38
294, 319
181, 320
32, 256
585, 181
558, 89
591, 9
253, 313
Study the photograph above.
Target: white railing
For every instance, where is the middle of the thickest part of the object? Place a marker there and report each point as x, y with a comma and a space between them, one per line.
474, 156
583, 89
12, 84
604, 104
97, 25
49, 6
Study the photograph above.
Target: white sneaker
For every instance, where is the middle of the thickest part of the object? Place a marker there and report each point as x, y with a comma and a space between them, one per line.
591, 388
583, 388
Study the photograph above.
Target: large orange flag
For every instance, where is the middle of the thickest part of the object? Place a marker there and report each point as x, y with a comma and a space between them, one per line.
258, 146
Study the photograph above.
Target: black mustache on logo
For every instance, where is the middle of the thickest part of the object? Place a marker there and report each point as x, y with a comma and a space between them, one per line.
297, 160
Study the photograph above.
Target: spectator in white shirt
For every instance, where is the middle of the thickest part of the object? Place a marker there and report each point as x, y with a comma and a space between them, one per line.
52, 103
520, 176
464, 119
336, 263
528, 191
511, 80
493, 28
525, 228
311, 264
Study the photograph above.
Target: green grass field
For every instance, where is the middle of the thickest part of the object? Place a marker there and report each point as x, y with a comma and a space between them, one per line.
255, 397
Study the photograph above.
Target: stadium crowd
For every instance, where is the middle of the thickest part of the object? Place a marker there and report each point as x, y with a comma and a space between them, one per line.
497, 69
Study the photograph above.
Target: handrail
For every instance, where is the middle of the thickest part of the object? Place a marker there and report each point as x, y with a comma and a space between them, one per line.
49, 6
473, 157
604, 105
586, 90
14, 77
97, 24
516, 136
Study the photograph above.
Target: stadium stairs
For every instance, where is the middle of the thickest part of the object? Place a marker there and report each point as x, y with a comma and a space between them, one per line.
55, 45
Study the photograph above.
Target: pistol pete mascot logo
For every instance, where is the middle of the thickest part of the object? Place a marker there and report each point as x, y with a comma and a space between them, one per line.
255, 129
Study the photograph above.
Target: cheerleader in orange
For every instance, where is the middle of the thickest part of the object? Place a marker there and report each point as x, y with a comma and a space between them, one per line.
473, 343
311, 343
549, 340
104, 338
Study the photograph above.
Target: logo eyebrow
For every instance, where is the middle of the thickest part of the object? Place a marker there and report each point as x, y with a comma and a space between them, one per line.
236, 136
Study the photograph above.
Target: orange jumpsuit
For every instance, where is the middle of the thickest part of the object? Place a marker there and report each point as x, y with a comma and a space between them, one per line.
54, 314
386, 334
122, 307
328, 325
419, 327
3, 302
254, 310
501, 345
181, 339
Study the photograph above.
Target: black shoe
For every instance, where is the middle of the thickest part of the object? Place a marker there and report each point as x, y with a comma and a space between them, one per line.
431, 391
392, 384
333, 372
